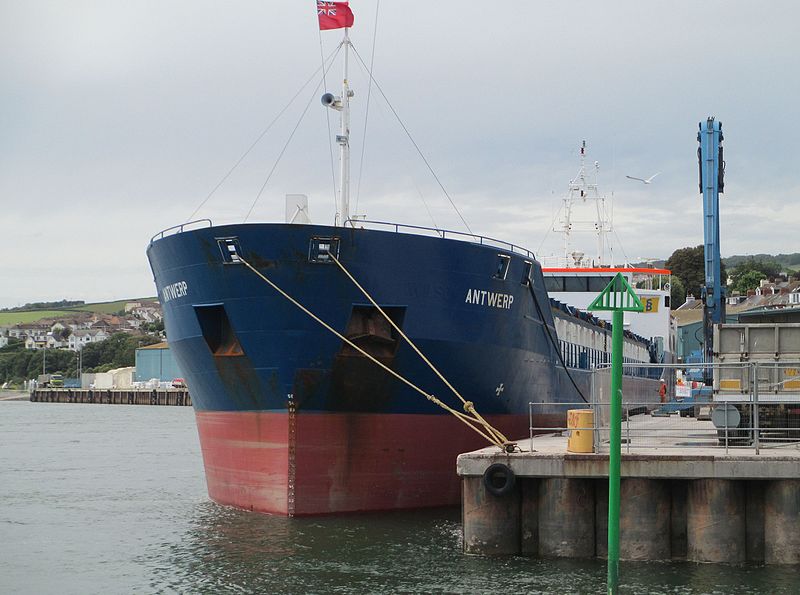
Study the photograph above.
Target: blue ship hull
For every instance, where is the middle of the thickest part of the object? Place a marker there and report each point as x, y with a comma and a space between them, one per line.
259, 368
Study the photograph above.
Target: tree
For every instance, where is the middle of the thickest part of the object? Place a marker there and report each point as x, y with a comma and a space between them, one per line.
748, 273
748, 280
677, 292
688, 264
118, 351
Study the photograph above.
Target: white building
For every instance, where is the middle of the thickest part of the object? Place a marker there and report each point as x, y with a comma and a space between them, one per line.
38, 342
80, 338
24, 331
54, 341
132, 306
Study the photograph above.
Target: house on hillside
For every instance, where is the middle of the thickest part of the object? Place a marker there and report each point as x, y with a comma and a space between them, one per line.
34, 334
111, 323
55, 341
794, 295
38, 342
147, 314
80, 338
23, 331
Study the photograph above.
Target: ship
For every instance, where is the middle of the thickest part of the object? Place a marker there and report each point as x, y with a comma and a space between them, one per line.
575, 277
341, 368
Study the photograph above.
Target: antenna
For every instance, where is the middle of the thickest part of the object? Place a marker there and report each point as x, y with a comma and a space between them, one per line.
584, 197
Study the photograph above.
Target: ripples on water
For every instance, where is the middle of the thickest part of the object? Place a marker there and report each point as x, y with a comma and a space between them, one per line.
111, 499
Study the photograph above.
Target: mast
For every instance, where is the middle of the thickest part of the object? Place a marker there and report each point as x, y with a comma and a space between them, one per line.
342, 105
581, 192
343, 138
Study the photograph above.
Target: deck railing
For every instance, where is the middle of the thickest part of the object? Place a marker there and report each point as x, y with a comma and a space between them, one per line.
176, 229
445, 233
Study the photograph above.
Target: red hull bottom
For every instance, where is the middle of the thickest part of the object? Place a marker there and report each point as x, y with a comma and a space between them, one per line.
321, 463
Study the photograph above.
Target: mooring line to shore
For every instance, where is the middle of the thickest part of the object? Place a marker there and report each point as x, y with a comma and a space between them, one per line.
476, 423
469, 407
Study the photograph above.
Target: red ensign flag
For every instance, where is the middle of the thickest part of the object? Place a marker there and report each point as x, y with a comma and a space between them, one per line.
334, 15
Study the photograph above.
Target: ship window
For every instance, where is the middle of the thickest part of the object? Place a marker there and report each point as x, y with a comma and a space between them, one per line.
503, 262
217, 331
575, 284
554, 283
230, 249
318, 249
666, 301
598, 284
526, 273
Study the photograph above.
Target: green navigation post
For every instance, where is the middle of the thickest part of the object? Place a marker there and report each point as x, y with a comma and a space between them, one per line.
617, 297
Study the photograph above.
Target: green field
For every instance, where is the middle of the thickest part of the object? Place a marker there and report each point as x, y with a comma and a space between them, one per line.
11, 318
104, 307
27, 316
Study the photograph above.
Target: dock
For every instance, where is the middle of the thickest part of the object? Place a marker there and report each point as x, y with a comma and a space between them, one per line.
683, 497
113, 396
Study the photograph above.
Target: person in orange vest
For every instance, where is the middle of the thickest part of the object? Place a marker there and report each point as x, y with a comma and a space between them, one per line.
662, 391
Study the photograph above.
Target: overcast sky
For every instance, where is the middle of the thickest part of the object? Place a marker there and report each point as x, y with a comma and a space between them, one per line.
118, 118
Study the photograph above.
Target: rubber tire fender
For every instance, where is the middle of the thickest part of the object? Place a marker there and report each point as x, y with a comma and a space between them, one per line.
499, 479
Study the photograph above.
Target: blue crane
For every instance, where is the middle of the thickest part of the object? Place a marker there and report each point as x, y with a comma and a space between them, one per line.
712, 184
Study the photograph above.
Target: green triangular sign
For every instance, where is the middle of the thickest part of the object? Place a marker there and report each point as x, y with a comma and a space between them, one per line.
618, 295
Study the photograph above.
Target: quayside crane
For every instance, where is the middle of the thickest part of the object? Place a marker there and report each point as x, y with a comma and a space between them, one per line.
712, 184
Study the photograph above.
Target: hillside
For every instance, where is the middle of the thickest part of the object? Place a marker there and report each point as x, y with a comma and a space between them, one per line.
25, 316
790, 262
28, 316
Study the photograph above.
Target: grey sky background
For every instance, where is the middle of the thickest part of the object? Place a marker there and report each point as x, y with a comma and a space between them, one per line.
118, 118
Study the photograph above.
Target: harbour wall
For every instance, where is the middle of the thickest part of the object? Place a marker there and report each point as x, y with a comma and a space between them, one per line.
727, 509
172, 396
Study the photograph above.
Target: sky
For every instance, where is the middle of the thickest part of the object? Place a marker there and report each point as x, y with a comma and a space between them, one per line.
118, 119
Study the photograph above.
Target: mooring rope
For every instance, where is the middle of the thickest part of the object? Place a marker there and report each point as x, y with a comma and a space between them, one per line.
475, 423
469, 407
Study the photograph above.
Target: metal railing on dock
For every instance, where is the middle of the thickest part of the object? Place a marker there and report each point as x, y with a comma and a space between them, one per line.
171, 396
750, 405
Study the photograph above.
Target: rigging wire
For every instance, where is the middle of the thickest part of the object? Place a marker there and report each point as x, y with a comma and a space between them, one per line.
419, 191
416, 146
621, 247
366, 112
425, 202
549, 229
259, 137
283, 150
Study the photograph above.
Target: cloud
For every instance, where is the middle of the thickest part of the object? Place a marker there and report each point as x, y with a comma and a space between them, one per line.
118, 119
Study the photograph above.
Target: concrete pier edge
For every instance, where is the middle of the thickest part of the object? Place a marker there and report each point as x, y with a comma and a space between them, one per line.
732, 509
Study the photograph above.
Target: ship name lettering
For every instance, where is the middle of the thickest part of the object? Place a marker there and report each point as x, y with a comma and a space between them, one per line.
481, 297
173, 291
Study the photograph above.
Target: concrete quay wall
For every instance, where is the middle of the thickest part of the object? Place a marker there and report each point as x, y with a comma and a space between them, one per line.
725, 509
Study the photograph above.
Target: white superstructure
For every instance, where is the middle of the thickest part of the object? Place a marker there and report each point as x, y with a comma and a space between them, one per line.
576, 279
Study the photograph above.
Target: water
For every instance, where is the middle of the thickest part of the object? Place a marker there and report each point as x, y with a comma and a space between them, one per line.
112, 499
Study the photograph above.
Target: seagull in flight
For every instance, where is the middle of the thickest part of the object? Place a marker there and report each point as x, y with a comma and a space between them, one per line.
647, 181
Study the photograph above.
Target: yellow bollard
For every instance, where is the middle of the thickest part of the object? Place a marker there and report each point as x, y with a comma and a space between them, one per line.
580, 440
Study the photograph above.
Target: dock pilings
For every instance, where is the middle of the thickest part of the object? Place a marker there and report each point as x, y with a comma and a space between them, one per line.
716, 518
174, 396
